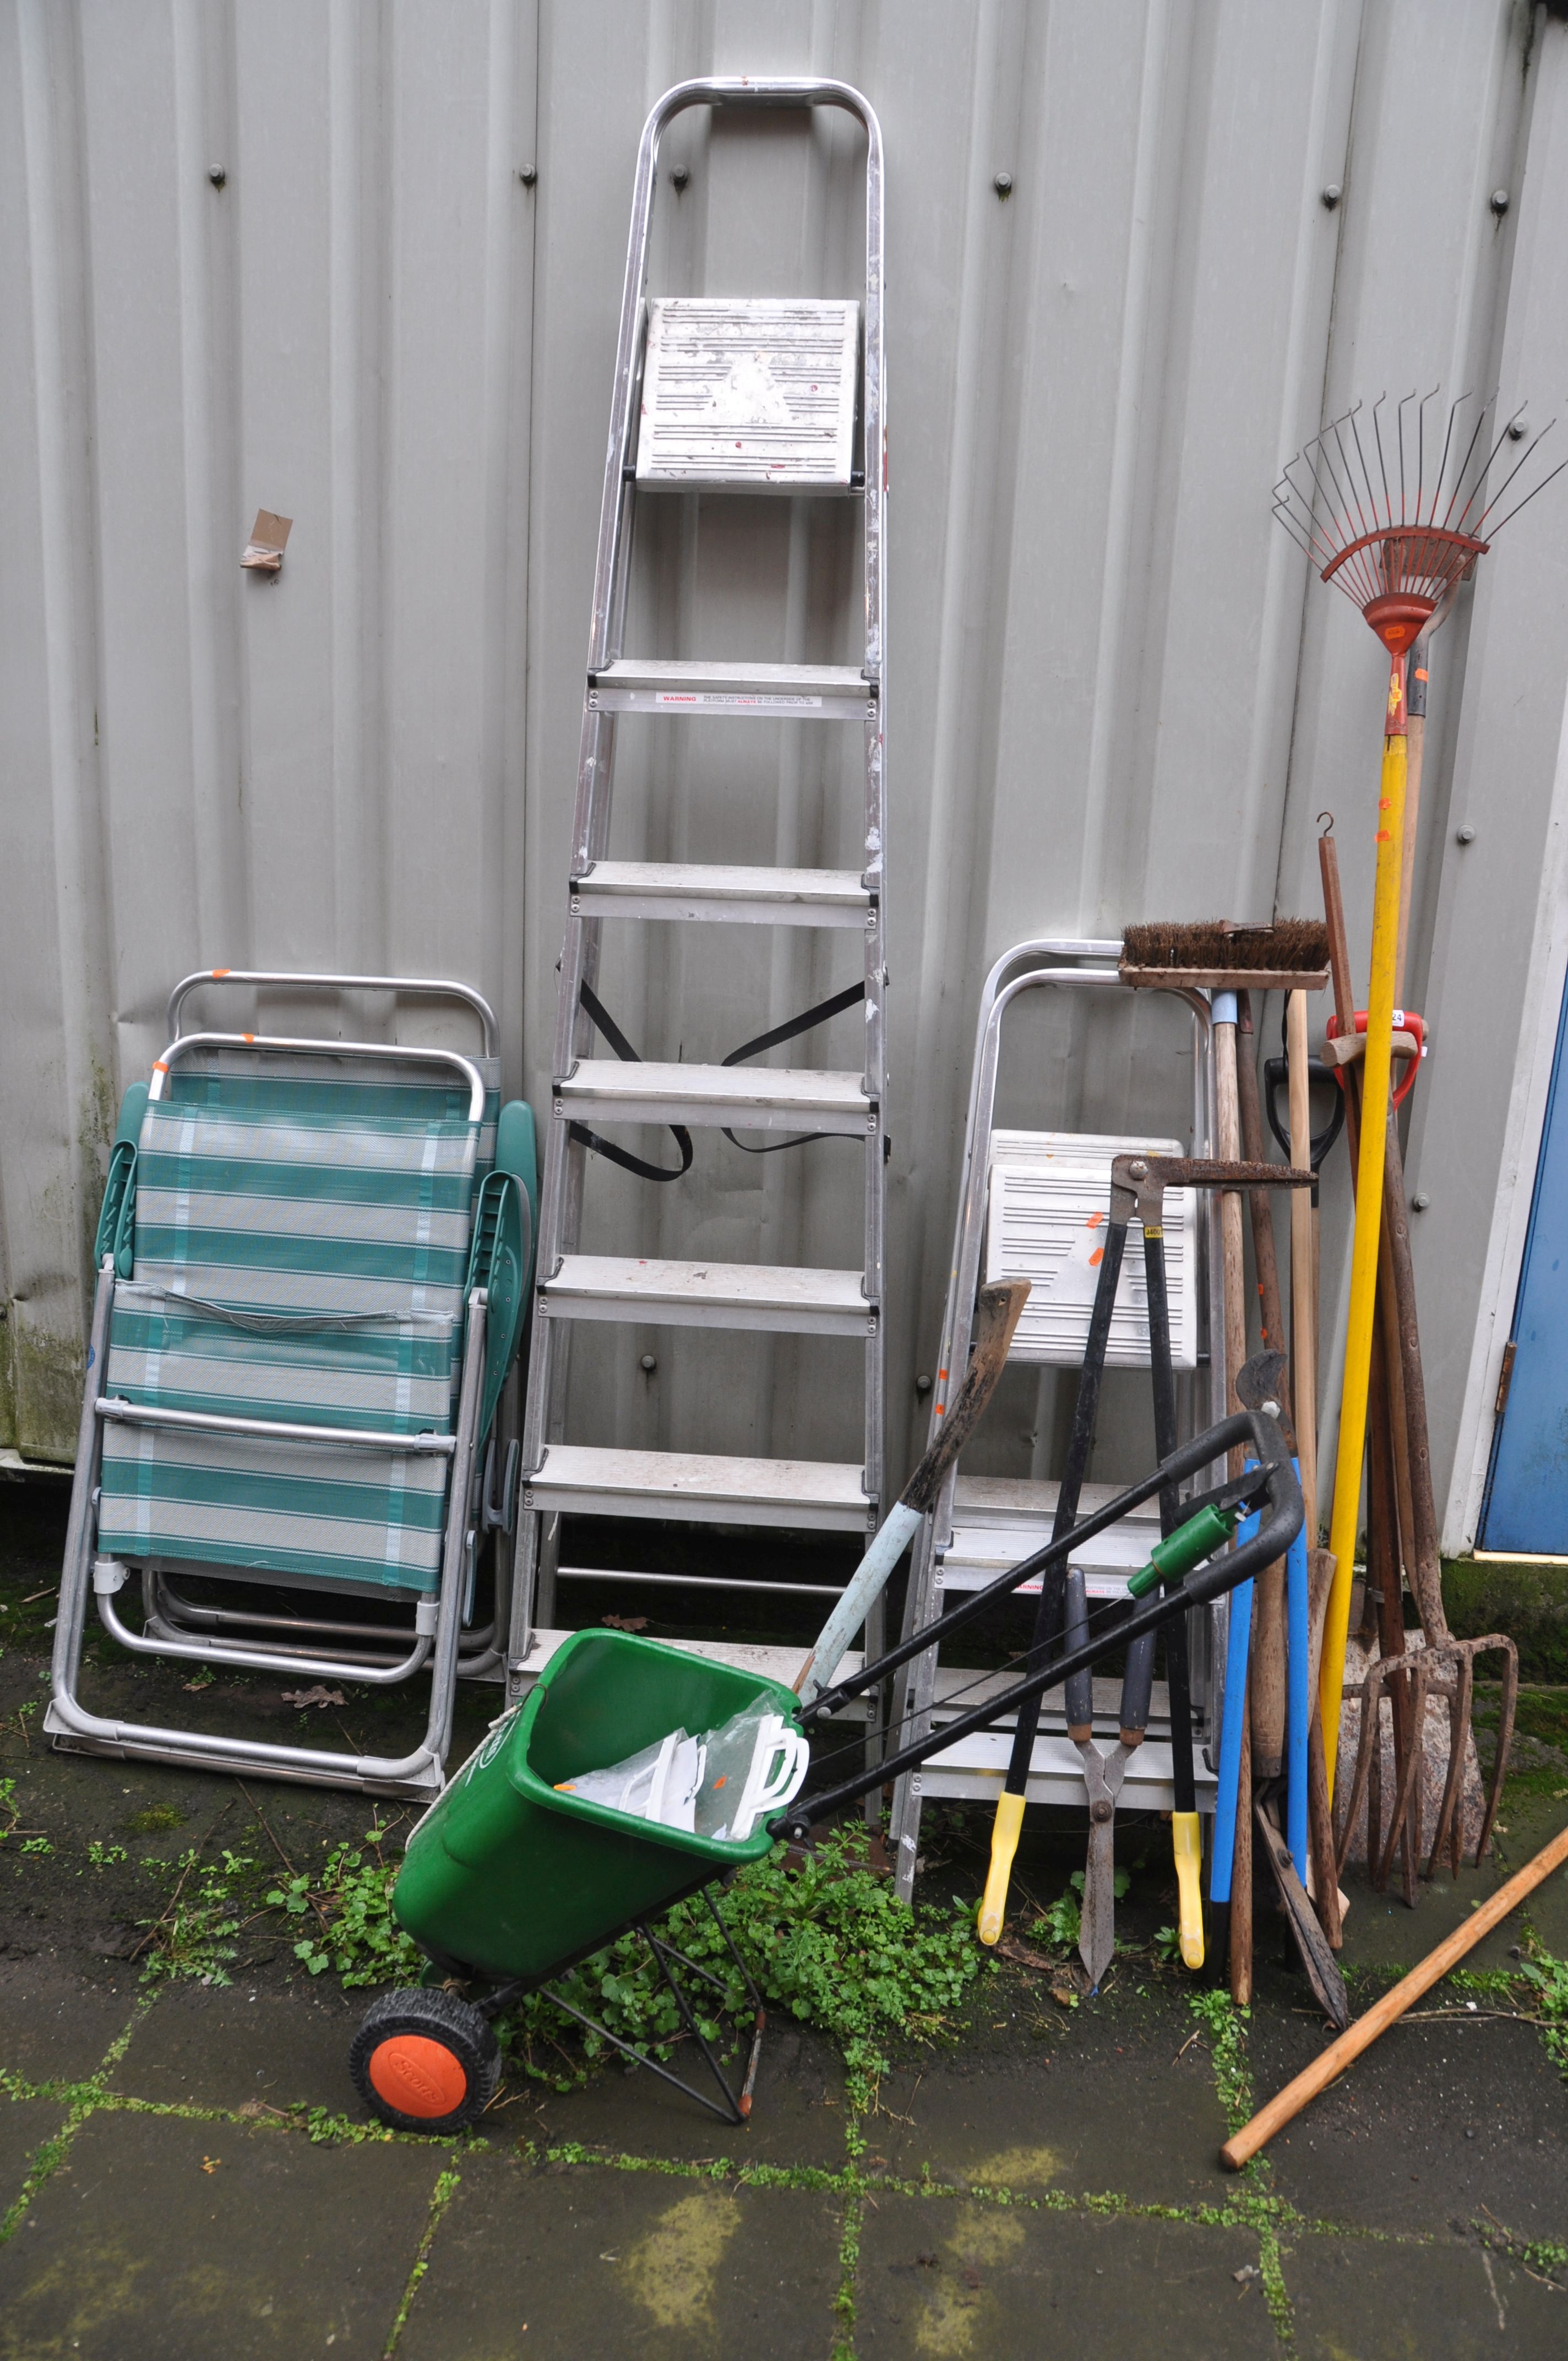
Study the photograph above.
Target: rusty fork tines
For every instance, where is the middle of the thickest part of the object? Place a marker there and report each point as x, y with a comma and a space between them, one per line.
1456, 1660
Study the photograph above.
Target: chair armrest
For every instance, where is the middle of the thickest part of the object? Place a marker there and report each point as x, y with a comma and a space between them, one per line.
116, 1215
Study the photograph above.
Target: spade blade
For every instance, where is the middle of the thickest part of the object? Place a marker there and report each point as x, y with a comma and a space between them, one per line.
1097, 1927
1322, 1968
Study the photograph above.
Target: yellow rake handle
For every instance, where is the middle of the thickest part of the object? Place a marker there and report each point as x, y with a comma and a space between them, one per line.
1368, 1211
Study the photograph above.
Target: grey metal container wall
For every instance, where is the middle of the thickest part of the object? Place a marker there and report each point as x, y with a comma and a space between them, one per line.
361, 267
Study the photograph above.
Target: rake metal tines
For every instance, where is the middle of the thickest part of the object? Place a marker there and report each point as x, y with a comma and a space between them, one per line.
1396, 534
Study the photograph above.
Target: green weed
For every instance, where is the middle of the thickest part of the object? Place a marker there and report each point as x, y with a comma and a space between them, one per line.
1226, 2026
1548, 1979
829, 1940
1063, 1920
354, 1932
192, 1936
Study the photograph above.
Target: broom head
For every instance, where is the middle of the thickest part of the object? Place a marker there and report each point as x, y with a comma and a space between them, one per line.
1292, 955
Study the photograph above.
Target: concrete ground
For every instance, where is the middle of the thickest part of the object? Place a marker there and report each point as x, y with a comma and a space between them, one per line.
184, 2170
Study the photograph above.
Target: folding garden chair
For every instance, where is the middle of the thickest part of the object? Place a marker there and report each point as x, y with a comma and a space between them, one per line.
313, 1260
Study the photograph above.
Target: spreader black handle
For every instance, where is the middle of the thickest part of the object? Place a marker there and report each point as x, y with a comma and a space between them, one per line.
1256, 1431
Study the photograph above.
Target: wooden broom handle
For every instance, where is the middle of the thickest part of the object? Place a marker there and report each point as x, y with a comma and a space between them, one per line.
1366, 2030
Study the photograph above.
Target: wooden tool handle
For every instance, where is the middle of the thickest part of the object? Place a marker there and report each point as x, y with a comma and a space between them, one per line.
1351, 1049
1227, 1140
1366, 2030
1000, 1306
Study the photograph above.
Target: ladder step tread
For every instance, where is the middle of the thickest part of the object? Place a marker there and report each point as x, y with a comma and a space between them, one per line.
976, 1766
764, 1098
701, 1487
590, 1287
781, 1664
696, 671
698, 890
686, 685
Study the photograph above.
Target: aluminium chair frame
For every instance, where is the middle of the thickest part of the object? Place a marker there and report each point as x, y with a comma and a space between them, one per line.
182, 1628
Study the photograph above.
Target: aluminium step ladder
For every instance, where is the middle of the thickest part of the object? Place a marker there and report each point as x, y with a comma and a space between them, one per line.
1021, 1214
774, 397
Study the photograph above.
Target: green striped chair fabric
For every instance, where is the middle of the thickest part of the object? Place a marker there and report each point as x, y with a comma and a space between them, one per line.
301, 1239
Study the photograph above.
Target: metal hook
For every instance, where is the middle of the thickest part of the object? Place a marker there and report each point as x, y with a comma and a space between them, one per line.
1322, 816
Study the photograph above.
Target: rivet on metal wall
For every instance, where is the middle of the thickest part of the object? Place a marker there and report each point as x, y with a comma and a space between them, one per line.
1003, 185
1500, 201
1419, 1202
922, 1385
1464, 836
648, 1364
679, 178
1518, 430
1332, 194
218, 176
528, 176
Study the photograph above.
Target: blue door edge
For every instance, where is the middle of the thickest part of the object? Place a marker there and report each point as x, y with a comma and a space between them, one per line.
1511, 1340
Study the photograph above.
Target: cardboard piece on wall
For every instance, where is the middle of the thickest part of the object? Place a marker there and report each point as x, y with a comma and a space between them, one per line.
263, 553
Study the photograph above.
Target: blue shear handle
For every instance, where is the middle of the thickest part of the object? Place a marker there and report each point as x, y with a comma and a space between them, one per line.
1223, 1857
1298, 1702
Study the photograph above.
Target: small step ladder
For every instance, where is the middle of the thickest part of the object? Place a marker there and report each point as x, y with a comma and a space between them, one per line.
774, 397
1021, 1214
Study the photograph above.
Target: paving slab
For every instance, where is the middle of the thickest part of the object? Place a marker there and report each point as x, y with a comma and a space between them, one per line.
1122, 2100
55, 2026
954, 2276
1433, 2124
1361, 2300
223, 2047
24, 2125
569, 2261
158, 2235
798, 2113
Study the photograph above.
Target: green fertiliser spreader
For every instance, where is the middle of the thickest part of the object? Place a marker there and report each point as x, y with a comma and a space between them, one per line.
511, 1877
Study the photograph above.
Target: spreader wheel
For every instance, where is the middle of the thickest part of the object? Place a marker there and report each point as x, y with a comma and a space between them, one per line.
424, 2062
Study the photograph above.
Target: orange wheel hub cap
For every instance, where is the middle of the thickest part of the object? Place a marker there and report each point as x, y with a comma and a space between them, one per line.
418, 2076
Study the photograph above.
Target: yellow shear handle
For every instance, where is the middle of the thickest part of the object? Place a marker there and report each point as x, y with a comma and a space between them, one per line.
1003, 1845
1187, 1843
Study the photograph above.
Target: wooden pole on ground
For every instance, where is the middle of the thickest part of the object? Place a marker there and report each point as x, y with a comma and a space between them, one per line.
1366, 2030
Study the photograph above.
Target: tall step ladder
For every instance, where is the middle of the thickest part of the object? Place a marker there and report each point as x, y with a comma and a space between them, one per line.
1022, 1213
766, 396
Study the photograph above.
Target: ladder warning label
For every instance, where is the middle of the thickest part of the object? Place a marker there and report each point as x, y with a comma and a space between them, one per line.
754, 704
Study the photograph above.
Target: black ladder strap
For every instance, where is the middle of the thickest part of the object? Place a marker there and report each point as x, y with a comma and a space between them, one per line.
788, 1031
603, 1022
600, 1019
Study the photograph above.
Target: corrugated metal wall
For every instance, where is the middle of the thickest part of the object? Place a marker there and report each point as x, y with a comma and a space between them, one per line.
1113, 692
